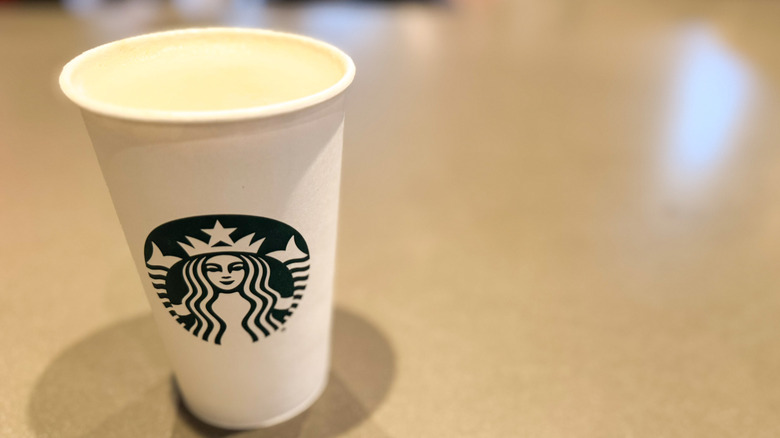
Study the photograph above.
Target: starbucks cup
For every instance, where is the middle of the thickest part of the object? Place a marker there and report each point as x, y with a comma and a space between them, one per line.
222, 152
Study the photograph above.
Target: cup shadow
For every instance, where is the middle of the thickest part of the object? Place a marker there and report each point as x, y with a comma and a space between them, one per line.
117, 383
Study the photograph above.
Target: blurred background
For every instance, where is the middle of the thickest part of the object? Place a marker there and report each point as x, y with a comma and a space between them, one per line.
559, 218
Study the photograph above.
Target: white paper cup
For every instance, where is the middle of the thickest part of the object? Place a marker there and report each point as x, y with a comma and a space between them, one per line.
231, 218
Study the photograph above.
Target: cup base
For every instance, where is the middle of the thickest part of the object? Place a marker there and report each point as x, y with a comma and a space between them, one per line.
273, 421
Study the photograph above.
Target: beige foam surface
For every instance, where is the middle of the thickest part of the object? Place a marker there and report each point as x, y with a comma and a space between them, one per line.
219, 70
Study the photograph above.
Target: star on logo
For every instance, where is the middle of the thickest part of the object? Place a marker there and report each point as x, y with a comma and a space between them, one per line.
219, 234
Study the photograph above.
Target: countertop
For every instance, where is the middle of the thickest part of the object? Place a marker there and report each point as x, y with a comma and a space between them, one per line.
558, 219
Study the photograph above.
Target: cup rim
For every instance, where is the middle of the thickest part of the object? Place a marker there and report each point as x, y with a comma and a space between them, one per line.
225, 115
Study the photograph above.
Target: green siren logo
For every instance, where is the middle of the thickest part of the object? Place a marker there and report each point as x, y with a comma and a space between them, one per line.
195, 261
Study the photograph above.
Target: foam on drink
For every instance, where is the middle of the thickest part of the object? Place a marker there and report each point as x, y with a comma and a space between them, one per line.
207, 72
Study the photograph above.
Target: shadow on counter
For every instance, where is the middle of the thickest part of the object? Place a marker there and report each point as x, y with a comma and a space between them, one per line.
116, 383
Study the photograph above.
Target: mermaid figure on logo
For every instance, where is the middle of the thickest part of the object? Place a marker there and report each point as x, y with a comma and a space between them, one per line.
271, 283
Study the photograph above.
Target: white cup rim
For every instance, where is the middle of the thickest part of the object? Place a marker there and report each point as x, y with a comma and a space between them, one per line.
88, 103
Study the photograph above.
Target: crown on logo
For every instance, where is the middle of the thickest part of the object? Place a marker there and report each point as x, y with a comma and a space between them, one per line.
220, 241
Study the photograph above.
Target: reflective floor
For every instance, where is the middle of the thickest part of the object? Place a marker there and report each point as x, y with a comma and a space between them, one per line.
559, 219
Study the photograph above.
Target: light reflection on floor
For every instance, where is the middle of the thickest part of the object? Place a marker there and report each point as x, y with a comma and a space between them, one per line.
710, 99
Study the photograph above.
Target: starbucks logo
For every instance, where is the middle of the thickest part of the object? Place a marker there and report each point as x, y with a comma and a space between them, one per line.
193, 262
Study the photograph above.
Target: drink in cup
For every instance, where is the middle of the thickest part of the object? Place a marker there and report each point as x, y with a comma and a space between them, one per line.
222, 152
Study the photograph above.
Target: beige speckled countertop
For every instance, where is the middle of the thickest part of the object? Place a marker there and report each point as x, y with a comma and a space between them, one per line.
559, 219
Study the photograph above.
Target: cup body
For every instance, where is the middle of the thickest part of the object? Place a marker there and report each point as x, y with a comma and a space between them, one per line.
232, 227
